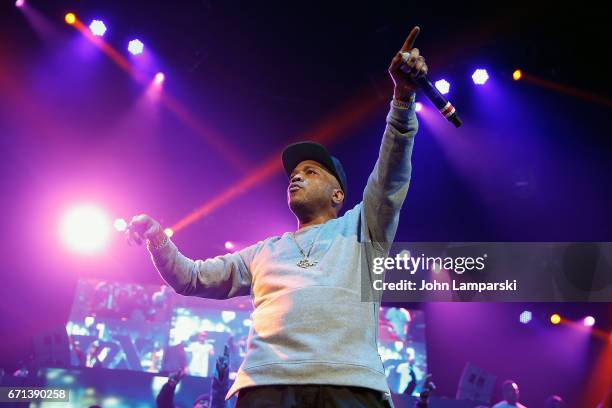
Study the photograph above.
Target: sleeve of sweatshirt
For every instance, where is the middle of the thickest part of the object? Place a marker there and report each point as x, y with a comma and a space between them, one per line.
220, 277
388, 183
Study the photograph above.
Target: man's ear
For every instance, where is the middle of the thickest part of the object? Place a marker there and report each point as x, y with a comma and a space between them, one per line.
337, 197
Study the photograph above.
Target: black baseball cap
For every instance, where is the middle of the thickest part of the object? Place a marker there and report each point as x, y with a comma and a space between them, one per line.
296, 153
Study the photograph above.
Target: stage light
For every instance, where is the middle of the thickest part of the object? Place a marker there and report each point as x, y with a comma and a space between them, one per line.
418, 106
517, 74
480, 76
555, 319
120, 224
85, 229
443, 86
229, 245
227, 316
525, 317
589, 321
97, 28
70, 18
135, 47
20, 3
169, 232
159, 78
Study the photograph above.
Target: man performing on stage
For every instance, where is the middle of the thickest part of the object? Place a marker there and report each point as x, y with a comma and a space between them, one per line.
313, 339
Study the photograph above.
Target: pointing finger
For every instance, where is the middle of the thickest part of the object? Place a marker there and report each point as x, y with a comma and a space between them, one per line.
410, 39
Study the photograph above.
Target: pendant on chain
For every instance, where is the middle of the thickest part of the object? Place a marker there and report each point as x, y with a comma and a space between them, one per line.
306, 263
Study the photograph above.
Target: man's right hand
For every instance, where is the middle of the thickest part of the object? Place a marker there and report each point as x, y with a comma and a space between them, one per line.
175, 377
142, 227
222, 367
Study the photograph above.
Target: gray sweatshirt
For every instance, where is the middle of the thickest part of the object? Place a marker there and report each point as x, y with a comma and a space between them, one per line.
310, 326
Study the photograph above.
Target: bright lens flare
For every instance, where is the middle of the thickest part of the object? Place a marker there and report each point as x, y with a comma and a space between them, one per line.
120, 224
85, 229
70, 18
589, 321
517, 74
555, 319
418, 106
169, 232
159, 78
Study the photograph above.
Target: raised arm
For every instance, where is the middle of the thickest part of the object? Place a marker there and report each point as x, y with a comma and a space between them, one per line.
216, 278
220, 382
388, 183
165, 398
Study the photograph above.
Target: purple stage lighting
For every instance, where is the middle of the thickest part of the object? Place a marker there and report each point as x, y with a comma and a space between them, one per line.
480, 76
418, 107
97, 28
589, 321
20, 3
443, 86
229, 245
525, 317
135, 47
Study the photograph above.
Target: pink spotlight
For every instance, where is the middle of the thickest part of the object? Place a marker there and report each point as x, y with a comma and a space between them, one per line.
589, 321
20, 3
418, 106
229, 245
85, 229
159, 78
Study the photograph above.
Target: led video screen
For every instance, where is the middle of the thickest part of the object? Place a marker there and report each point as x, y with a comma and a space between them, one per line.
150, 328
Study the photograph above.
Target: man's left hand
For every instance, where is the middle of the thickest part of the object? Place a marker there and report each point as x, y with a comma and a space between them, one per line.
404, 82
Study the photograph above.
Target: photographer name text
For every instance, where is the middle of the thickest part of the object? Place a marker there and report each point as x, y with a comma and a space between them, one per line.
435, 286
